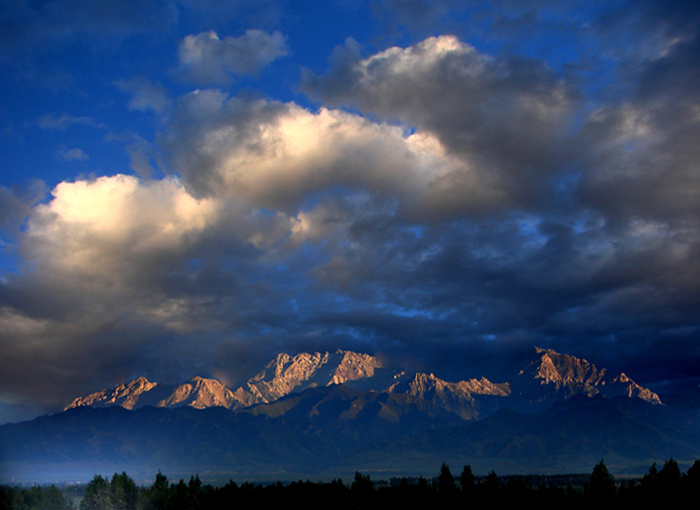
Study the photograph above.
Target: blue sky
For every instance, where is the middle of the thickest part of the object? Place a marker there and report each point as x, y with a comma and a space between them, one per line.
188, 188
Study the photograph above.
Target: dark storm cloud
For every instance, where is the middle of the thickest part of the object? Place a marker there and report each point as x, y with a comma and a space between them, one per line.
492, 284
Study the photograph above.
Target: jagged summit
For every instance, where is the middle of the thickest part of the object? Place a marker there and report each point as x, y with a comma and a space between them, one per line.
200, 393
427, 385
550, 374
286, 373
467, 399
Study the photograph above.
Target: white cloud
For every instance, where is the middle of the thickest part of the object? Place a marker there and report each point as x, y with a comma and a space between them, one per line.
115, 228
206, 59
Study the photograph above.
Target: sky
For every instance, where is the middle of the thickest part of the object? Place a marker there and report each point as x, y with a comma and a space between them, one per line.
191, 187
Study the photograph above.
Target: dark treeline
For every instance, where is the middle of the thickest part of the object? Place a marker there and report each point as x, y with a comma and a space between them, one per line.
666, 485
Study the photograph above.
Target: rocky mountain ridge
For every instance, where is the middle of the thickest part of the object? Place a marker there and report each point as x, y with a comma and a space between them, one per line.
281, 376
545, 377
550, 375
285, 374
331, 414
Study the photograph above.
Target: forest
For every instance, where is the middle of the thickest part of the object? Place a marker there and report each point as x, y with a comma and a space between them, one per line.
666, 485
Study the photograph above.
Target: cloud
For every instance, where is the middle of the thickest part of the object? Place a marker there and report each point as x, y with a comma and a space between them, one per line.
107, 227
439, 197
642, 160
100, 260
207, 60
146, 95
508, 117
65, 121
278, 155
16, 203
104, 248
74, 154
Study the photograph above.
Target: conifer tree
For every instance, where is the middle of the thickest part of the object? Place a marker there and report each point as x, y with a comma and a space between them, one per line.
98, 495
466, 479
124, 492
601, 485
446, 482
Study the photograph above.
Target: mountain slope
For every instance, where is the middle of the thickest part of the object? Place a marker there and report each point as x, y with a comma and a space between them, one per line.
334, 431
570, 436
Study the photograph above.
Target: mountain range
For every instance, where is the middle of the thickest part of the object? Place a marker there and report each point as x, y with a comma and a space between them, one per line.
330, 414
546, 376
